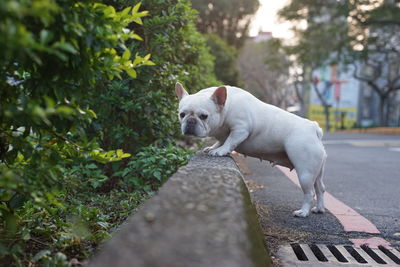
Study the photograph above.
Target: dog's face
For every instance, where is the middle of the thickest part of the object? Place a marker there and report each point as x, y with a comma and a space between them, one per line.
199, 113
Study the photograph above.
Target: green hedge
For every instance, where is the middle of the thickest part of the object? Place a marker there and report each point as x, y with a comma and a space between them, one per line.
142, 111
84, 85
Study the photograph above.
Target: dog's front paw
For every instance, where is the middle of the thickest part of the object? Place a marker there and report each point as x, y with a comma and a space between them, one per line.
207, 149
218, 152
318, 210
301, 213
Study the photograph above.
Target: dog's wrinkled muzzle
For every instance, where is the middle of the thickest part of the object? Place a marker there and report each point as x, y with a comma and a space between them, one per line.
190, 128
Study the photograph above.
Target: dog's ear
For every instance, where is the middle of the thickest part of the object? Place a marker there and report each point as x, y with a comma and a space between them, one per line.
219, 96
180, 91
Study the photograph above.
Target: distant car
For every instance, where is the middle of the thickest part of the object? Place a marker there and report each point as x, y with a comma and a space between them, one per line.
295, 110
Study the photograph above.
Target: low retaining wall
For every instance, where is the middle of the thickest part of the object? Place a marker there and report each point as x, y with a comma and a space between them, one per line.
202, 216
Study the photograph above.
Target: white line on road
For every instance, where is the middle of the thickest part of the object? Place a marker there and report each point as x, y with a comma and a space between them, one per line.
364, 143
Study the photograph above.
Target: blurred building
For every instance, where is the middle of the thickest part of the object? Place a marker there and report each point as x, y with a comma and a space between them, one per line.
368, 115
351, 102
382, 66
261, 37
334, 87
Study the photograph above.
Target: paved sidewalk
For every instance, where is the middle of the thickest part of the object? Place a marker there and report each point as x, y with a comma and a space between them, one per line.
362, 172
275, 198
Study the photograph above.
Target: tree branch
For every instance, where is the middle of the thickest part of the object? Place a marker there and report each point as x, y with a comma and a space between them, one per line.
383, 22
321, 98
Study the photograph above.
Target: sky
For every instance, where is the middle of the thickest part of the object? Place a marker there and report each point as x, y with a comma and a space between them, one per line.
266, 19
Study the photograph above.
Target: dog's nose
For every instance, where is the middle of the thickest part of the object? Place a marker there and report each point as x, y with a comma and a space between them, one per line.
191, 121
190, 128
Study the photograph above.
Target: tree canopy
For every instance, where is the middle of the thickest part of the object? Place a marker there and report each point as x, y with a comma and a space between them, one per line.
229, 19
225, 59
264, 69
363, 32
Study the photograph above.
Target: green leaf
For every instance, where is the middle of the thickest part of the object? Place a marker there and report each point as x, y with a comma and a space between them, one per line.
49, 102
17, 201
25, 234
135, 36
131, 72
66, 47
157, 174
142, 14
147, 57
149, 63
125, 155
65, 110
125, 11
109, 11
103, 225
45, 36
136, 8
91, 113
138, 21
41, 254
126, 55
11, 221
91, 166
3, 250
138, 60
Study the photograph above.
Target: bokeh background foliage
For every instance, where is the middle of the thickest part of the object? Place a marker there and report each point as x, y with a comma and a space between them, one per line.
142, 110
87, 117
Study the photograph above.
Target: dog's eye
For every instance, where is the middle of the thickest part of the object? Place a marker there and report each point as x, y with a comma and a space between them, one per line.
203, 116
182, 115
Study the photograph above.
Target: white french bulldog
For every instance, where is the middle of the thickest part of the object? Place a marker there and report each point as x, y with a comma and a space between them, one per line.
241, 122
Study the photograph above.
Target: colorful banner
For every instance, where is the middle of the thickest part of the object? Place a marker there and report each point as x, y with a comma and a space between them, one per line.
339, 118
340, 90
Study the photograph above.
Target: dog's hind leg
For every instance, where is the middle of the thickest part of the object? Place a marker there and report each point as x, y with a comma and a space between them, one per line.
306, 182
320, 190
308, 161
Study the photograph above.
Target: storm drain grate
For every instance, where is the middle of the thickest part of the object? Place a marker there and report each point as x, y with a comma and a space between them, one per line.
333, 255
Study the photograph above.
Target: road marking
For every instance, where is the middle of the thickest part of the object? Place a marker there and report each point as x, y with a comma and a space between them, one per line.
350, 219
363, 143
373, 242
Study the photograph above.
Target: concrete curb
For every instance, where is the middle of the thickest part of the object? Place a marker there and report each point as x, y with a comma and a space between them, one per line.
202, 216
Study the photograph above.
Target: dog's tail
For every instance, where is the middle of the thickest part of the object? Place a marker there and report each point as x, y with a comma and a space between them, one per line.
320, 133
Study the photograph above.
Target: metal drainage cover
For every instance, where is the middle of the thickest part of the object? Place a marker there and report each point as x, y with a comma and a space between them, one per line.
337, 255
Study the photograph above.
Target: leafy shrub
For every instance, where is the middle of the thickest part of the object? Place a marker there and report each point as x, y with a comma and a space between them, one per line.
59, 110
52, 54
67, 233
59, 235
139, 112
153, 166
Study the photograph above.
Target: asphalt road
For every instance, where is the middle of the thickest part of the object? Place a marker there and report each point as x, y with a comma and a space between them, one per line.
363, 171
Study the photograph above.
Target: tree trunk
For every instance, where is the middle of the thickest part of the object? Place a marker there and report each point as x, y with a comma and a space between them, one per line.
327, 123
325, 105
382, 113
300, 97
